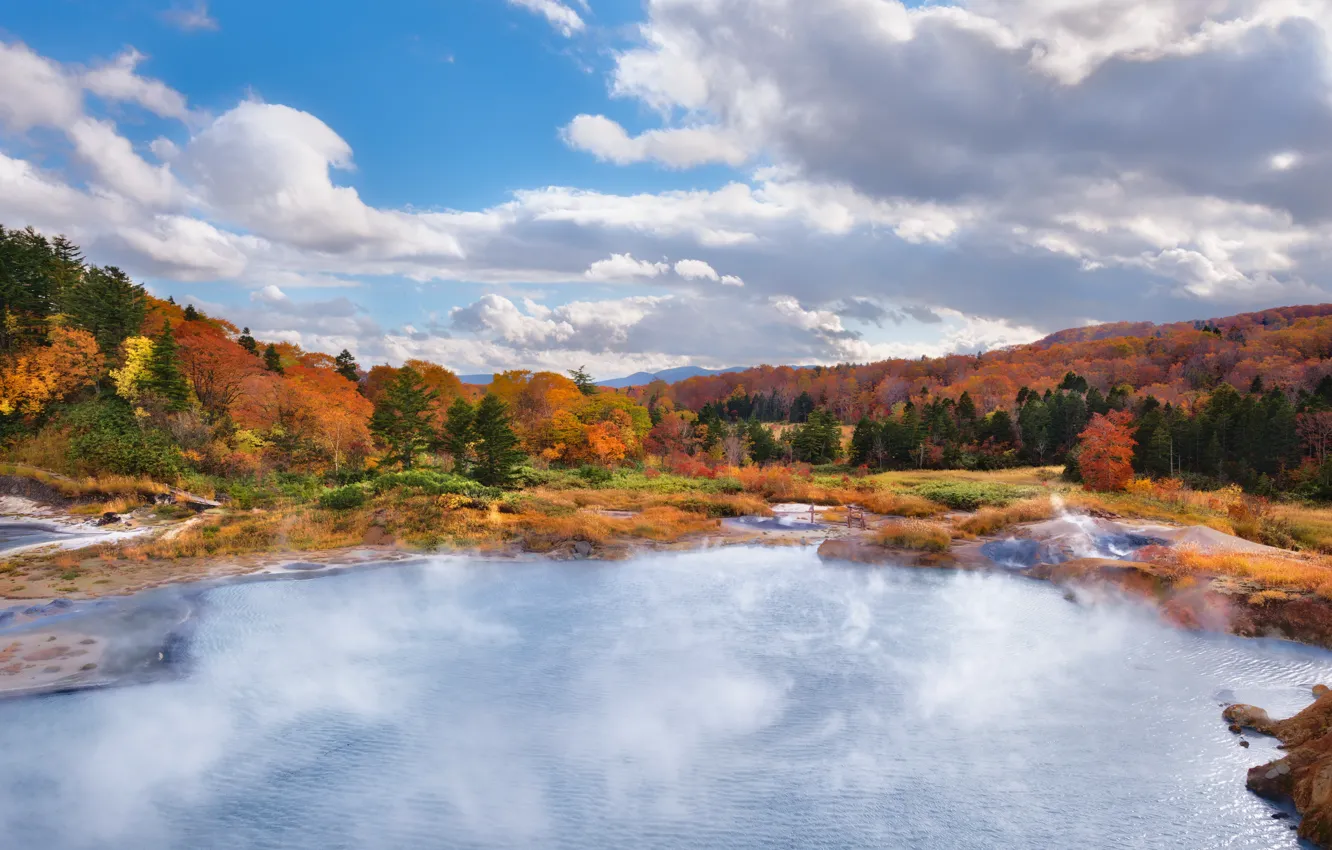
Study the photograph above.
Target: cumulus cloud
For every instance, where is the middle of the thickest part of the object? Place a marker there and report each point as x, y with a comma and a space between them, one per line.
681, 147
623, 267
564, 19
1015, 168
117, 80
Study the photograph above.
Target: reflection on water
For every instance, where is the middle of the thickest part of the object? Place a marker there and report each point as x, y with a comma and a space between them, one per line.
743, 698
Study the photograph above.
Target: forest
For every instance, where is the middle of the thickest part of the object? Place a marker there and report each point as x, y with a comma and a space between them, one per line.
100, 378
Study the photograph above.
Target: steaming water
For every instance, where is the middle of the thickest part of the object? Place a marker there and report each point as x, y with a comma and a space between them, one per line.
743, 698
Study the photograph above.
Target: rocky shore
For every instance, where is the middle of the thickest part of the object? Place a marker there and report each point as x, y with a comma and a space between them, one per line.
1302, 777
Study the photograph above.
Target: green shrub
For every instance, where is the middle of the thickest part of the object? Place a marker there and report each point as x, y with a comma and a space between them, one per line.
432, 482
106, 437
343, 498
595, 475
971, 495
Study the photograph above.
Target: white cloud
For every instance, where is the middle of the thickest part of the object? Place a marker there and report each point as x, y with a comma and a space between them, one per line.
682, 147
695, 270
623, 267
119, 168
565, 20
116, 80
190, 18
37, 92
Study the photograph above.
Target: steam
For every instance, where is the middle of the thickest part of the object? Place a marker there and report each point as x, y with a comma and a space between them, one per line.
747, 697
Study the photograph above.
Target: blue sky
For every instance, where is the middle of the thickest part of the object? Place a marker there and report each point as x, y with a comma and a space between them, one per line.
639, 185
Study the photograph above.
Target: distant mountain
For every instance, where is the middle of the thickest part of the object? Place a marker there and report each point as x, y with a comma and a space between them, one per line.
670, 376
638, 379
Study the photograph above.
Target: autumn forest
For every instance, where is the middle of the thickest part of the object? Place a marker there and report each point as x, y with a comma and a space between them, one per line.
101, 378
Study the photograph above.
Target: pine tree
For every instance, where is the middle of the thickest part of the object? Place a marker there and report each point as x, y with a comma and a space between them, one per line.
191, 314
497, 455
763, 446
583, 381
345, 365
247, 342
402, 417
866, 444
272, 360
165, 379
107, 304
459, 435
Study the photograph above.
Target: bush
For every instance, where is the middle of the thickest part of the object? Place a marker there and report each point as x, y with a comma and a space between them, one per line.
105, 436
431, 482
344, 498
971, 495
595, 475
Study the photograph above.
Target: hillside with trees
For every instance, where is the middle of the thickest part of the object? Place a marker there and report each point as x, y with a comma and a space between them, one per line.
99, 377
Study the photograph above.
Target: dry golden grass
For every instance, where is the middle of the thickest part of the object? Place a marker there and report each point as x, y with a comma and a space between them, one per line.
1288, 572
991, 520
914, 534
1025, 476
1263, 597
899, 504
88, 486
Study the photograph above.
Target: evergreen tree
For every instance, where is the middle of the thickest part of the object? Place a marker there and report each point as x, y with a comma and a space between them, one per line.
272, 360
866, 444
27, 298
819, 440
583, 381
459, 435
165, 379
802, 407
191, 314
497, 455
763, 446
402, 416
107, 304
247, 342
345, 365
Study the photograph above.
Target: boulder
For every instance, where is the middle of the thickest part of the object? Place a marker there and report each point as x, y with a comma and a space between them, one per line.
1304, 775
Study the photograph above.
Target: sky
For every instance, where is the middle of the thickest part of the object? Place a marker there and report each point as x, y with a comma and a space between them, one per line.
636, 185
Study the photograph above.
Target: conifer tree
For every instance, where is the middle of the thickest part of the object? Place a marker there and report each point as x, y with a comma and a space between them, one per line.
247, 342
107, 304
583, 381
459, 434
165, 378
345, 365
402, 417
191, 314
497, 455
272, 360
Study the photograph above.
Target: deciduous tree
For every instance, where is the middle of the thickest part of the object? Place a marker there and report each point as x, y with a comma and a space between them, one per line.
1106, 453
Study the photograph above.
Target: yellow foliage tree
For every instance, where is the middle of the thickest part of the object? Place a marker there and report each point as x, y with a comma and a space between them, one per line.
137, 353
47, 373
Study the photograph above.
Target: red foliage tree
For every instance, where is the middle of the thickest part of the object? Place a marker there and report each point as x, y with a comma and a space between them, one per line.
1106, 452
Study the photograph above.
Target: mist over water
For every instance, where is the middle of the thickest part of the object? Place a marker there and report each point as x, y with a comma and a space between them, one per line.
741, 698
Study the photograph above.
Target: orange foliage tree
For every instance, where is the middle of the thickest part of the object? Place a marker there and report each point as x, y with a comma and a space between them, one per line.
1106, 453
42, 374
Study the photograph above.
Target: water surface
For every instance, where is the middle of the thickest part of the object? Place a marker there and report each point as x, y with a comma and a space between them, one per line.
737, 698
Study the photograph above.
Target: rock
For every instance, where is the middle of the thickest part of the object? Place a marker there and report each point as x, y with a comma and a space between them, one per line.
1280, 815
1319, 690
108, 518
582, 549
1236, 728
1244, 744
1304, 775
1248, 717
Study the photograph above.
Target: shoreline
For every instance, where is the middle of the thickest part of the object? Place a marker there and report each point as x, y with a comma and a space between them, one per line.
1203, 609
